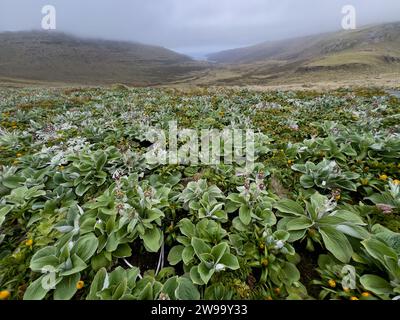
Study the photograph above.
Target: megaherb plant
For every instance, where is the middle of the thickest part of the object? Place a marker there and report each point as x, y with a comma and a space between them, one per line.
383, 252
84, 214
389, 200
125, 212
208, 230
253, 204
61, 266
123, 284
87, 170
212, 259
271, 253
335, 282
201, 198
326, 175
389, 260
320, 222
203, 250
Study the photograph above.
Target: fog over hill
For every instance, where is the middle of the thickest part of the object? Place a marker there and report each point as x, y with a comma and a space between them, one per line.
58, 57
195, 26
49, 56
374, 39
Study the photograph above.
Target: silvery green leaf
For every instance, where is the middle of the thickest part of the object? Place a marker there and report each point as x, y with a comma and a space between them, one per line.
64, 229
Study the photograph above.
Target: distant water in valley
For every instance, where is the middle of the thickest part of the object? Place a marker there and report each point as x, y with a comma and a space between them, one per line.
200, 53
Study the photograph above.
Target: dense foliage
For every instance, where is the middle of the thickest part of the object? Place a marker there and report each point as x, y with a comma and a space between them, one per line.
81, 209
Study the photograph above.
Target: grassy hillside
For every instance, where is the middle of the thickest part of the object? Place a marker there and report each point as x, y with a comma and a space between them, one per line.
366, 52
381, 38
57, 57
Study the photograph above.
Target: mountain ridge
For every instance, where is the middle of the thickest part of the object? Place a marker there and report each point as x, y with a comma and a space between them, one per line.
61, 57
291, 48
368, 53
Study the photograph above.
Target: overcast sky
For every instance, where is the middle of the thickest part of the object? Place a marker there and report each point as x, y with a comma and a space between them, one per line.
194, 25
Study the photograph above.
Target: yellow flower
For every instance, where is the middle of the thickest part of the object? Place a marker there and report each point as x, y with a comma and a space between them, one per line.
347, 290
364, 182
338, 197
290, 162
353, 298
396, 182
4, 294
19, 155
265, 262
332, 283
277, 290
14, 127
80, 284
366, 294
383, 177
29, 243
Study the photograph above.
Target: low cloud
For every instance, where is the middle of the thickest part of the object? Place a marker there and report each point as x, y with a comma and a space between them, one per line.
194, 25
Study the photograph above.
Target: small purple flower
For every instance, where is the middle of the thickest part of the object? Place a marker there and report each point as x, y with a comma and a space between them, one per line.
385, 208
